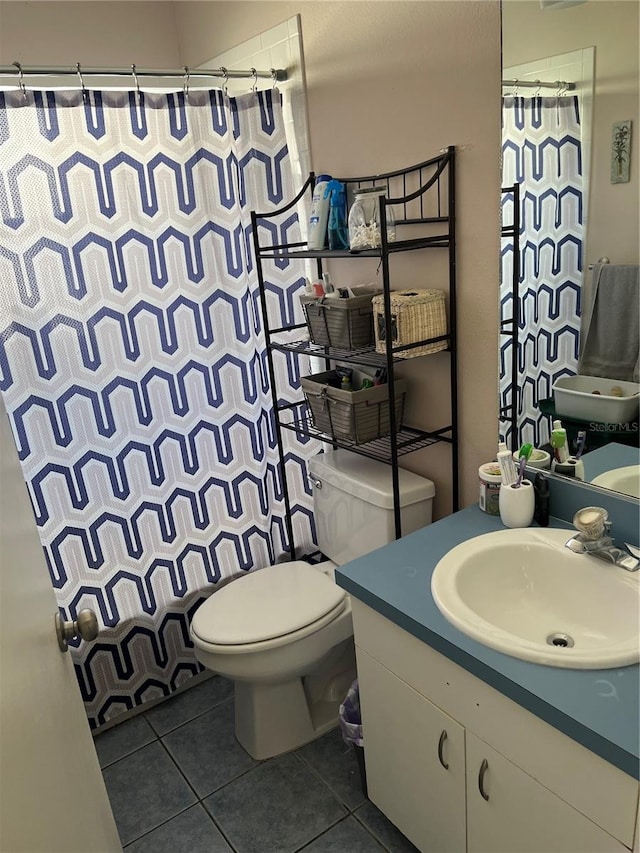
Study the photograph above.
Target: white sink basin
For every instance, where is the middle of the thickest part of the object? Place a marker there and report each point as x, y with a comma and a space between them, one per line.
625, 480
522, 592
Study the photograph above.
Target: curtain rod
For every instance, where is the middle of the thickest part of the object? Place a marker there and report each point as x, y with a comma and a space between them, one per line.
538, 84
275, 74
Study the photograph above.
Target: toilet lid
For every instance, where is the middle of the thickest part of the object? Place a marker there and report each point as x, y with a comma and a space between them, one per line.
267, 603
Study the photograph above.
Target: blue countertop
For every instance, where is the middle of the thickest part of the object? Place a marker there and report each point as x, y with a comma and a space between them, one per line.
598, 708
608, 458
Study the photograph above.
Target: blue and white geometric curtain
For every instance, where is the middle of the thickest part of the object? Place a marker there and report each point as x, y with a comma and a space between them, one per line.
132, 361
542, 152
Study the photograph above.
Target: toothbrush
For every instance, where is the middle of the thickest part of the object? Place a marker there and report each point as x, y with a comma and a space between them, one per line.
525, 452
582, 436
521, 466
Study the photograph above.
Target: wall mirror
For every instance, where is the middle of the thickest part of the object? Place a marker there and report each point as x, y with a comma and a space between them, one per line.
570, 78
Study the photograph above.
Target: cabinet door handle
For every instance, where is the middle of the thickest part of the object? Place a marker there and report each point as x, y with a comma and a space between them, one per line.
443, 738
483, 769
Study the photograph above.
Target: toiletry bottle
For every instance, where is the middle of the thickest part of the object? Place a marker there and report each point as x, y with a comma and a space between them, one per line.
506, 464
338, 233
559, 442
541, 490
319, 214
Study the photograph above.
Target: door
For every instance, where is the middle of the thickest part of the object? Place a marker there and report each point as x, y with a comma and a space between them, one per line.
414, 757
53, 798
509, 812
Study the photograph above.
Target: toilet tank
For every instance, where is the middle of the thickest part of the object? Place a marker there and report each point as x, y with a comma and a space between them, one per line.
353, 503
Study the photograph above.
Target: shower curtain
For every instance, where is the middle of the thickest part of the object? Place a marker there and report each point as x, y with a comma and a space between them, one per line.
132, 361
542, 152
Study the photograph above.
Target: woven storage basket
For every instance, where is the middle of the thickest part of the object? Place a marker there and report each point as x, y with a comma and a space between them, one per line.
416, 315
341, 323
356, 416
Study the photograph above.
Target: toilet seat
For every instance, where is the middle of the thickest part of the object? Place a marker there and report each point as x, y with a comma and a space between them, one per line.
268, 608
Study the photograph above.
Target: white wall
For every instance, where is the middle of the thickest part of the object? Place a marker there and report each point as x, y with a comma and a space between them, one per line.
389, 84
103, 34
612, 28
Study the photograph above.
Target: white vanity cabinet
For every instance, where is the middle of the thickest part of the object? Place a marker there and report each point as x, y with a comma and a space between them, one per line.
415, 748
546, 793
520, 814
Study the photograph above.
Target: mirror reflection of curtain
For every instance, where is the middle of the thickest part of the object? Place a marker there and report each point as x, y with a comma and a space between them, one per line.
542, 152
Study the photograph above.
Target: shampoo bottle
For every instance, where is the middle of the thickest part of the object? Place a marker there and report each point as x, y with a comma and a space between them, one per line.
319, 214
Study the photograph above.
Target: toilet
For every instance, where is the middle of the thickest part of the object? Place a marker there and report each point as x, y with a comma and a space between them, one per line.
284, 634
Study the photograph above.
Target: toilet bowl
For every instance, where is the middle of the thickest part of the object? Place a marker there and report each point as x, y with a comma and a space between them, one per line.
284, 633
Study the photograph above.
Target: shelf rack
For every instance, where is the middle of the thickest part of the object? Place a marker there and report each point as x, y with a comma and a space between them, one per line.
422, 197
509, 326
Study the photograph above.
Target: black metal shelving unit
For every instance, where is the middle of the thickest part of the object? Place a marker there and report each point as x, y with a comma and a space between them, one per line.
509, 325
423, 201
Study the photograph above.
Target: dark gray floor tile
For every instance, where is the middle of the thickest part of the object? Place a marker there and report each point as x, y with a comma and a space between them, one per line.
189, 704
145, 790
348, 835
192, 831
277, 807
207, 752
123, 739
388, 835
335, 762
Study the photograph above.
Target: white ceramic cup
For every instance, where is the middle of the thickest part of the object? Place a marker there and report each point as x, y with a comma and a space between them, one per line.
571, 468
517, 504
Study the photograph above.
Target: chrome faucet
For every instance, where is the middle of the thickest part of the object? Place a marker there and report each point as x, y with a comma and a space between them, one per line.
593, 538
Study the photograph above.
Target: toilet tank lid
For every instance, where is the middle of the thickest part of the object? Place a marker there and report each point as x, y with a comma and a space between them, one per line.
369, 479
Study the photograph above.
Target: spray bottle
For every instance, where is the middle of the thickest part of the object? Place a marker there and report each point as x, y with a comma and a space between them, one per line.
338, 232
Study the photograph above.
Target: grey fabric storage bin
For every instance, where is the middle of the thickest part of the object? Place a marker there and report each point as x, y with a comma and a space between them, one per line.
357, 416
341, 323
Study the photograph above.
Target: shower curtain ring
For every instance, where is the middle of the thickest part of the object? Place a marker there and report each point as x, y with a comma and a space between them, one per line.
85, 94
185, 86
274, 77
21, 85
226, 79
254, 85
135, 80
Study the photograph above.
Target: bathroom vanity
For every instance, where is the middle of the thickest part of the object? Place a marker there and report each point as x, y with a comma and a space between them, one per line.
469, 749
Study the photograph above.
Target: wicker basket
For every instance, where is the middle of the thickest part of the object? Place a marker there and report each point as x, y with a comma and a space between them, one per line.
416, 315
341, 323
356, 416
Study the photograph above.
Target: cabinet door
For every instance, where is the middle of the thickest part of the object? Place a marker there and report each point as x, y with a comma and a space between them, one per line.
521, 815
407, 743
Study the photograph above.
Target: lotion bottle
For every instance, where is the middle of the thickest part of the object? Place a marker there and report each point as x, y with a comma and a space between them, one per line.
319, 214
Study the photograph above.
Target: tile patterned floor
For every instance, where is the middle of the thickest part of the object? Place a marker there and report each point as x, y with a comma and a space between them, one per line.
179, 782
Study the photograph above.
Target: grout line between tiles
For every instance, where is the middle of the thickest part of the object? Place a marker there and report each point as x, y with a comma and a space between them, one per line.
191, 719
371, 832
320, 834
219, 827
327, 785
162, 823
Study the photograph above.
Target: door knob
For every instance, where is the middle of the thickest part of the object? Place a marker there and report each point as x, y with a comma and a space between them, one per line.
85, 626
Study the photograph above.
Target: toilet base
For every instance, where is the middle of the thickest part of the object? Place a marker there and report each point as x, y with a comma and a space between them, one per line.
275, 718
